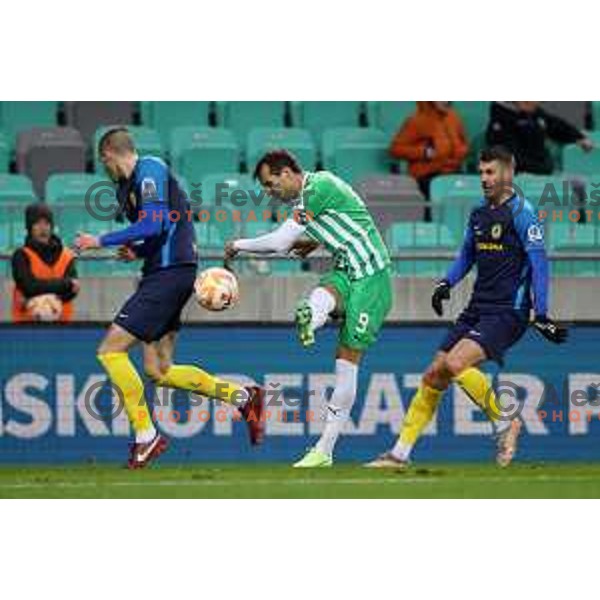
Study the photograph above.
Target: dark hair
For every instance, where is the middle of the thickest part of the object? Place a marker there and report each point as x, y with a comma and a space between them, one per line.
499, 153
117, 139
277, 160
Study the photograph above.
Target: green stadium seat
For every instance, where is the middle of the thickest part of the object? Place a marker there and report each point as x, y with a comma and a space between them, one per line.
355, 153
17, 189
16, 192
297, 141
594, 136
543, 190
233, 192
318, 116
197, 151
166, 116
574, 237
453, 208
17, 116
72, 188
474, 115
389, 116
447, 185
212, 234
5, 153
147, 142
146, 112
578, 162
596, 114
241, 117
420, 236
12, 227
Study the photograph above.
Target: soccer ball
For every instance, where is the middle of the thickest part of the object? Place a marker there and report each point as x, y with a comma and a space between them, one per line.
46, 307
217, 289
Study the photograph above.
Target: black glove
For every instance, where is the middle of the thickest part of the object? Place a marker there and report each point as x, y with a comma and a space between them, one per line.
552, 331
440, 293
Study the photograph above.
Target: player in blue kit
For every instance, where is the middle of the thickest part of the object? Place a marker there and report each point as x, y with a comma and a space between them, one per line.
506, 242
162, 234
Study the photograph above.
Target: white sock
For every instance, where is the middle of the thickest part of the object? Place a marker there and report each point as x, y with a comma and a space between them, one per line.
322, 303
402, 451
339, 405
146, 436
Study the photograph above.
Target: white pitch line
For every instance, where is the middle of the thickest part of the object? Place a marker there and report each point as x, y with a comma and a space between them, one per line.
240, 482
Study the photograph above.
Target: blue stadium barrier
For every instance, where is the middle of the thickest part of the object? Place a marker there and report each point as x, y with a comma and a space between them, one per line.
47, 372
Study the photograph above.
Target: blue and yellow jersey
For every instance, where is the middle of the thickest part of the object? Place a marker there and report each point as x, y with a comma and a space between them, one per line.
161, 230
506, 244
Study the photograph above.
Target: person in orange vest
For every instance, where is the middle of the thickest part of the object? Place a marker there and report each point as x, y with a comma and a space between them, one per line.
433, 141
44, 272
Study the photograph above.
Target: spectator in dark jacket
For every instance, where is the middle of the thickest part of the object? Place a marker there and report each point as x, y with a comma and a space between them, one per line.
524, 128
44, 271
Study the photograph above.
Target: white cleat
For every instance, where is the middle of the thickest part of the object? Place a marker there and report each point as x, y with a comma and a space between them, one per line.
388, 461
507, 443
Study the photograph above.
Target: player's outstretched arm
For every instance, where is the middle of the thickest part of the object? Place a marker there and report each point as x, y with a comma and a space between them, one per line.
279, 241
148, 225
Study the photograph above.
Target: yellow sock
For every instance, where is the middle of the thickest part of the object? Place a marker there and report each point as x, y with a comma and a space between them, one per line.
125, 378
476, 385
419, 414
194, 379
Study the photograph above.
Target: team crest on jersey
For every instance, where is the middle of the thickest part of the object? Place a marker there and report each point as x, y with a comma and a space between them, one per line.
497, 231
148, 188
535, 234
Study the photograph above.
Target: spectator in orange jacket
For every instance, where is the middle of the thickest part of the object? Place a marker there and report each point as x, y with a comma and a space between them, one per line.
44, 272
433, 142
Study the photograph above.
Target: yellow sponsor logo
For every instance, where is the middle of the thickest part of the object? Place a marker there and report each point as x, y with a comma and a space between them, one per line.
490, 246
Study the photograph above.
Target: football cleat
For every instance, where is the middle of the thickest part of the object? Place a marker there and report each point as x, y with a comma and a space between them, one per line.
253, 412
140, 455
314, 460
306, 335
507, 442
388, 461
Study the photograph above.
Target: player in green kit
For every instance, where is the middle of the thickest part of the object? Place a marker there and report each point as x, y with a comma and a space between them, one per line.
328, 213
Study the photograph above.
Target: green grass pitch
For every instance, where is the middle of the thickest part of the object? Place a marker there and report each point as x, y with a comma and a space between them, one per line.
525, 480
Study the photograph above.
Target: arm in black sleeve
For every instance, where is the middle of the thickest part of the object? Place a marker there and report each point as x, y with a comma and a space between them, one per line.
31, 286
561, 131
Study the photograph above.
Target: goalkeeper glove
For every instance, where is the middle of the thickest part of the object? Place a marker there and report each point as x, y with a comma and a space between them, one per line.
441, 293
552, 331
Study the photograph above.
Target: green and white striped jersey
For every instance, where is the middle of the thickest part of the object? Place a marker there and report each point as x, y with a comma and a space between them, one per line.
335, 215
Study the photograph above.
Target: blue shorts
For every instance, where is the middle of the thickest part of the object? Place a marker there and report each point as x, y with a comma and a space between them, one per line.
494, 331
155, 308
